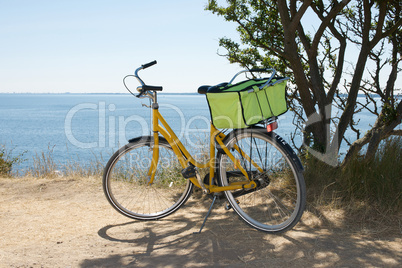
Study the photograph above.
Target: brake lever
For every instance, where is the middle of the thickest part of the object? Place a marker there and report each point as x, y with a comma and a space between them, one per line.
139, 95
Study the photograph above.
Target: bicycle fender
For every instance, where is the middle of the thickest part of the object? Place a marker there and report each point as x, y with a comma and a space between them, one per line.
146, 139
136, 139
289, 151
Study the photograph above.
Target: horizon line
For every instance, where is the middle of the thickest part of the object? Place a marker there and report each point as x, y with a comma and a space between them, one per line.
96, 93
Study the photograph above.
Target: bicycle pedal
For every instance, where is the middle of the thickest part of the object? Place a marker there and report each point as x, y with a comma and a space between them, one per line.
189, 172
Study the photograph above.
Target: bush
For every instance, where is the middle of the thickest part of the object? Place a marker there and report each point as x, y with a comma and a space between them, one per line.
377, 180
374, 182
7, 162
321, 182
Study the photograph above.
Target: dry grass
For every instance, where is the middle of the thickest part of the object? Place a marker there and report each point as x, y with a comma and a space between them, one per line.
45, 166
377, 180
366, 195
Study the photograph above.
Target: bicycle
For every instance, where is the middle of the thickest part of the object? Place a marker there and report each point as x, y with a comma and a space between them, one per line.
254, 169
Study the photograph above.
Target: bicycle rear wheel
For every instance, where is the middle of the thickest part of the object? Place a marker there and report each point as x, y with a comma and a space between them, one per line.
125, 181
277, 204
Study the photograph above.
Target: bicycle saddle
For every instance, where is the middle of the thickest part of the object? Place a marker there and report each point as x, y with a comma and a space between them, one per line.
205, 89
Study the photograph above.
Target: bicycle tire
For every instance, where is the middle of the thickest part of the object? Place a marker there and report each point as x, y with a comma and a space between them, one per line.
277, 204
125, 181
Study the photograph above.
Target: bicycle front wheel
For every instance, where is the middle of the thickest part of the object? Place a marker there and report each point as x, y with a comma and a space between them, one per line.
277, 204
126, 181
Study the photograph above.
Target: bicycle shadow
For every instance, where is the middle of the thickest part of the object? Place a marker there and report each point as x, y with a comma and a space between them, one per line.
227, 241
172, 240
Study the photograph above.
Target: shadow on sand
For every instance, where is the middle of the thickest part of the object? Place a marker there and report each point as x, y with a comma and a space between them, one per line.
227, 241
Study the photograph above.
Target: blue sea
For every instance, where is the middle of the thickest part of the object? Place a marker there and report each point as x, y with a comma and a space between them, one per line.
80, 128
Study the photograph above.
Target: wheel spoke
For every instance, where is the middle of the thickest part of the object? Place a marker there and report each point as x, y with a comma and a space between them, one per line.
126, 182
276, 206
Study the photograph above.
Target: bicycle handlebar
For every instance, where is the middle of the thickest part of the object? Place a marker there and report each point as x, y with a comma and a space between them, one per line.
144, 66
145, 90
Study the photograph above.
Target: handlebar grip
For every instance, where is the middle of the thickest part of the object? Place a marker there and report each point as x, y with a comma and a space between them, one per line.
151, 88
149, 64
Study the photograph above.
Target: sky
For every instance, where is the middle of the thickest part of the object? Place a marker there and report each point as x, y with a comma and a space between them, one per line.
87, 46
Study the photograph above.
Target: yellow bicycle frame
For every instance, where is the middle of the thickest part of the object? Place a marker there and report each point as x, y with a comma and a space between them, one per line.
185, 157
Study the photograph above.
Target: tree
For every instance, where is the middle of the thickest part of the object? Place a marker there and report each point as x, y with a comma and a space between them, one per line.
276, 34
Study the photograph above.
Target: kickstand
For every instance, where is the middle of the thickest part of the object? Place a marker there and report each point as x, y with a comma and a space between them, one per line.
209, 212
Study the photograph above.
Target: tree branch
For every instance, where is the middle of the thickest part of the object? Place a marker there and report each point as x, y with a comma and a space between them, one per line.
295, 20
325, 22
381, 17
357, 77
396, 132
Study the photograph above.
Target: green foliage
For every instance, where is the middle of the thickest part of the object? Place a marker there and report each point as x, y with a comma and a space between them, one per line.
5, 165
390, 112
7, 162
260, 30
279, 35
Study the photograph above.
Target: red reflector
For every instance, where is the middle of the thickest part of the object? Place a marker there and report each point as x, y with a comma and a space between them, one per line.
272, 126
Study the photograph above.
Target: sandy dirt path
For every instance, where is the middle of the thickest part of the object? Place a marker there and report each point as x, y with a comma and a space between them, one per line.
67, 222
